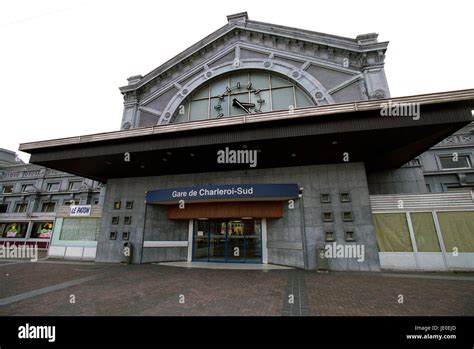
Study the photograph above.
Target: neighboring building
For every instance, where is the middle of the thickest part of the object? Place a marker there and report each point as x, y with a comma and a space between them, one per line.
261, 144
8, 158
31, 197
448, 165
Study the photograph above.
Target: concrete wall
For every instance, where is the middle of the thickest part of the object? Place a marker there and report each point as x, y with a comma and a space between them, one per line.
403, 180
159, 228
285, 242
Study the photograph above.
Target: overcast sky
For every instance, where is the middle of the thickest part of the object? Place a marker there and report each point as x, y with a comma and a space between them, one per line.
61, 62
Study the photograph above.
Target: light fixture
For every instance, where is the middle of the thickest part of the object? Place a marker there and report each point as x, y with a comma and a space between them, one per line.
203, 219
293, 155
165, 159
191, 154
169, 153
247, 217
142, 166
334, 142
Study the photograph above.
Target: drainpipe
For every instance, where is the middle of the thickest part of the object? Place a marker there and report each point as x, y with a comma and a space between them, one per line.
303, 229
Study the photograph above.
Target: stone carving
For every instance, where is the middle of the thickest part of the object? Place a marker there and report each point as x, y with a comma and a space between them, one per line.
378, 94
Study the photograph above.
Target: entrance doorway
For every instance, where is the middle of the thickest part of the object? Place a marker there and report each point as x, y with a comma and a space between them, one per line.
230, 240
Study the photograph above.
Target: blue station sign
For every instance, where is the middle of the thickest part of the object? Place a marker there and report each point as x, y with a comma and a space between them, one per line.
223, 192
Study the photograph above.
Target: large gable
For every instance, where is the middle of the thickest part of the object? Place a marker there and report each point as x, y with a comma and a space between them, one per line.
328, 68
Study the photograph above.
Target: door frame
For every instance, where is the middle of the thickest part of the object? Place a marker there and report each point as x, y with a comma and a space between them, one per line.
263, 239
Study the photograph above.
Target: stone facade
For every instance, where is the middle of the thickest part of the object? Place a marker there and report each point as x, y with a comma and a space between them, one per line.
330, 69
285, 235
38, 179
439, 179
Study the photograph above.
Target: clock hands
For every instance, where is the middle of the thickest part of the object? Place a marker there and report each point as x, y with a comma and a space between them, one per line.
242, 105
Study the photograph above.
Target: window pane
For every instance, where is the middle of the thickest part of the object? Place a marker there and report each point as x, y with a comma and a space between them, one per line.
243, 79
278, 81
21, 208
219, 87
199, 110
392, 232
302, 99
457, 229
224, 109
75, 185
283, 98
53, 186
48, 207
13, 230
42, 230
202, 92
263, 95
181, 114
260, 80
7, 189
80, 229
448, 162
425, 232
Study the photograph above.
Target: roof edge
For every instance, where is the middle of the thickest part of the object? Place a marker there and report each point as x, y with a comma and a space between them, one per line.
347, 107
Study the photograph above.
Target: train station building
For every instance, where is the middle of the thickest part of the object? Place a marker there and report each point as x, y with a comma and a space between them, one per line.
264, 143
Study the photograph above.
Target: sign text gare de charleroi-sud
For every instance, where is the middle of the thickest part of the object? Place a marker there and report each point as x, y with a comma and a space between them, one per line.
224, 191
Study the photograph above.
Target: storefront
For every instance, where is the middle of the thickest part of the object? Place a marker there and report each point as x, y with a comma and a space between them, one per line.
76, 232
23, 231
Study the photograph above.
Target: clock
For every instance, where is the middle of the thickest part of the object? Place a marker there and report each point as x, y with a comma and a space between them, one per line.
230, 92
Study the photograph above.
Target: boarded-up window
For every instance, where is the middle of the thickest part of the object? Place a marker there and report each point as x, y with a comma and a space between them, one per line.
425, 232
80, 229
392, 232
457, 229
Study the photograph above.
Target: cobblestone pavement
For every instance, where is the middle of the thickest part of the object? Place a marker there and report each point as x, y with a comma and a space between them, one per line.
57, 288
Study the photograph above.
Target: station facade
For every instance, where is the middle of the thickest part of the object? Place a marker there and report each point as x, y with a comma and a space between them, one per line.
264, 144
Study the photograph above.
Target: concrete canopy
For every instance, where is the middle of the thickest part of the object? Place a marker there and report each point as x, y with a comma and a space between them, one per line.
314, 135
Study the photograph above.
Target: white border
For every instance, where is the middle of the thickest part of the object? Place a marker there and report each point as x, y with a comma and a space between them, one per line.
165, 244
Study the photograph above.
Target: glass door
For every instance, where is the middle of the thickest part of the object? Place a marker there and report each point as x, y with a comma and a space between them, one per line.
201, 241
253, 240
237, 240
217, 241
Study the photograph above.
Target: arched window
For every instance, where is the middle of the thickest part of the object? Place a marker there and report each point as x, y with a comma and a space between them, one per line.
242, 93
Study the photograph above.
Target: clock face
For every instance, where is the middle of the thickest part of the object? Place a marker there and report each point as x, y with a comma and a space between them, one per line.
242, 93
240, 97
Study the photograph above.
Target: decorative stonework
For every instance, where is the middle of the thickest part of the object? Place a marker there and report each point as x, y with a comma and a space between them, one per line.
457, 139
378, 94
195, 64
